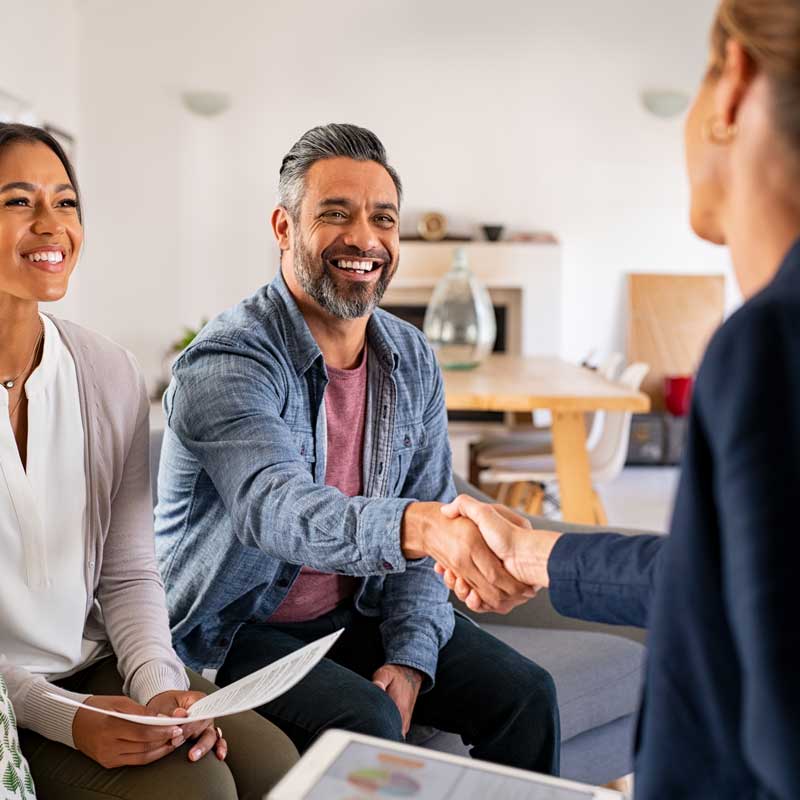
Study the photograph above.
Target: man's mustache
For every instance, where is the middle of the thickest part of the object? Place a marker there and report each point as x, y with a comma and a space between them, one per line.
334, 253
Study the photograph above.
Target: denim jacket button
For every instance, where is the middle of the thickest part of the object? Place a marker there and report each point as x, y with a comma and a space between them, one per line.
387, 565
407, 441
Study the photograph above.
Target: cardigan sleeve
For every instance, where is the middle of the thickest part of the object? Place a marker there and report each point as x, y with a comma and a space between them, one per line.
34, 710
130, 590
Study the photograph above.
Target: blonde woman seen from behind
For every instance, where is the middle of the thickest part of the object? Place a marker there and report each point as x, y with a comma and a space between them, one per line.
721, 713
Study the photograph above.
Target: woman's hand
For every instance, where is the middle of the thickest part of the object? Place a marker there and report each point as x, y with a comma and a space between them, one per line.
176, 704
113, 742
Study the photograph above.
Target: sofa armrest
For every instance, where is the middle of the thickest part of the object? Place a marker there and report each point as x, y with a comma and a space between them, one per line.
539, 612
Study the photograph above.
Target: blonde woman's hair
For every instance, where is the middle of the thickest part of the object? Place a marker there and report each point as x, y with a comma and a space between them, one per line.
769, 31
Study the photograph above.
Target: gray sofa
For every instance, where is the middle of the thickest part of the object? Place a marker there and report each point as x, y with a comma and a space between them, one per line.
597, 670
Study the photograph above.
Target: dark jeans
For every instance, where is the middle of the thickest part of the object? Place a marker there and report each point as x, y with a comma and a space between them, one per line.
501, 704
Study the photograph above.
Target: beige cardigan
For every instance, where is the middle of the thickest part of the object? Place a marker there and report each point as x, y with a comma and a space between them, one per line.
126, 604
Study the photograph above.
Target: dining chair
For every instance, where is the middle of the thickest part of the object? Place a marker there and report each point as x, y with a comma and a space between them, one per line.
540, 441
523, 479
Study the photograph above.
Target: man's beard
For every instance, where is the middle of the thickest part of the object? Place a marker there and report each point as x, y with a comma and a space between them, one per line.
348, 301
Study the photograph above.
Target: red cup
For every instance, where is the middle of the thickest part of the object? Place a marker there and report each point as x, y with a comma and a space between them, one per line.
678, 394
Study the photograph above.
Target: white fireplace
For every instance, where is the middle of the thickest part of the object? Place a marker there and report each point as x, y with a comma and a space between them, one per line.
522, 278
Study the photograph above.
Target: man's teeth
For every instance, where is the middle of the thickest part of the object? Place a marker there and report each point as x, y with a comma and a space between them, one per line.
361, 267
54, 257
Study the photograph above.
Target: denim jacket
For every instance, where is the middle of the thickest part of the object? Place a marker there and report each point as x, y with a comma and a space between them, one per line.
242, 496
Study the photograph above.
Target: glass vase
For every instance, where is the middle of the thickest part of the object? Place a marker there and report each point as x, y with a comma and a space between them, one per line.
459, 320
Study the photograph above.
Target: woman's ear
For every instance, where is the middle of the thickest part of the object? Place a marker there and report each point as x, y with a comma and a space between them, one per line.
281, 227
736, 79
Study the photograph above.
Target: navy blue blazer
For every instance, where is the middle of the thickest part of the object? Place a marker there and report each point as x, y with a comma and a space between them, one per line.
721, 712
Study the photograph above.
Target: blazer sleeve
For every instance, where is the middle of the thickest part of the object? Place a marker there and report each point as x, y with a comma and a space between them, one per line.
604, 577
749, 410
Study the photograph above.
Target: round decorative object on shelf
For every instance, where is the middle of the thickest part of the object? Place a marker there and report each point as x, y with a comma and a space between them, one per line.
432, 226
459, 320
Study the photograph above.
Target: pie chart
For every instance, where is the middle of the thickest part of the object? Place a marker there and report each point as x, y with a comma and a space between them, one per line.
384, 783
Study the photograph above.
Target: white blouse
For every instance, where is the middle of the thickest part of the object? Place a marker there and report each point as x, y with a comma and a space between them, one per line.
43, 593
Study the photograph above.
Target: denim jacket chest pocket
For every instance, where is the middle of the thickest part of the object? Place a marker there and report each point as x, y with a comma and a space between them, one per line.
409, 438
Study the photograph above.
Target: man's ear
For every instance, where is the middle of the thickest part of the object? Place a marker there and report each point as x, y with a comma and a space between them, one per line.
737, 76
281, 227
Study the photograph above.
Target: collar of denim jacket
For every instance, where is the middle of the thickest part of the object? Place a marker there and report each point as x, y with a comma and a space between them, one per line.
381, 342
303, 348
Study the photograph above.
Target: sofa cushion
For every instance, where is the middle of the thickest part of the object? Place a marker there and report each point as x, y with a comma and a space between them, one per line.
598, 680
14, 771
598, 677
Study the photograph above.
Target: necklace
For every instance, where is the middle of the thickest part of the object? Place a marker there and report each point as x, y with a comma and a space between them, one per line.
11, 382
22, 393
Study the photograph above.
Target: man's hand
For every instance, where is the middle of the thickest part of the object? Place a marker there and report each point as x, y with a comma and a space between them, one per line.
524, 552
402, 684
113, 742
176, 704
457, 545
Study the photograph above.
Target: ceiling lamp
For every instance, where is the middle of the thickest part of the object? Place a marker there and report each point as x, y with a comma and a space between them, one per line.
665, 103
206, 103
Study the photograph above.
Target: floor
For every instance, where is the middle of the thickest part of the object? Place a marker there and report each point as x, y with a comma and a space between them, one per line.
641, 497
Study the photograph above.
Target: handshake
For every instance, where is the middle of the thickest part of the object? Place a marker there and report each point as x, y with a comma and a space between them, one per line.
488, 555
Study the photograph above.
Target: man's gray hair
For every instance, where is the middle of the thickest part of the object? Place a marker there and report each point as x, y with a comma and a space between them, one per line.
328, 141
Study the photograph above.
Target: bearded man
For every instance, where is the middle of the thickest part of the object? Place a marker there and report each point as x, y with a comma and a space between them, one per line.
303, 471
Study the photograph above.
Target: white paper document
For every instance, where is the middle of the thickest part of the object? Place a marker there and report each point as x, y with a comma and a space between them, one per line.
250, 692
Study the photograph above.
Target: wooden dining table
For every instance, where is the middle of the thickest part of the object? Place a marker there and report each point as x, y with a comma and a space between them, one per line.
525, 383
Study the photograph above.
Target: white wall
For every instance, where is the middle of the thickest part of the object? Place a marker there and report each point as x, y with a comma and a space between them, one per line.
39, 57
519, 111
39, 64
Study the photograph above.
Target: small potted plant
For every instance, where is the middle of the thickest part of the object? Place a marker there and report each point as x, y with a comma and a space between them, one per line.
171, 355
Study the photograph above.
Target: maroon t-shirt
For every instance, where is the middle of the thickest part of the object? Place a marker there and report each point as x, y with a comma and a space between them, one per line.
316, 593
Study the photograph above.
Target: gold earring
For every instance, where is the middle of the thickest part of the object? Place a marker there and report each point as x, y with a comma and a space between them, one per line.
717, 131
